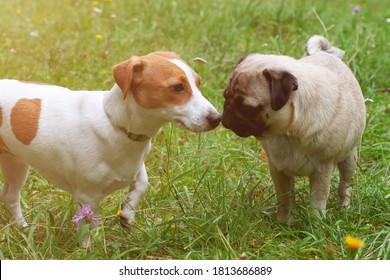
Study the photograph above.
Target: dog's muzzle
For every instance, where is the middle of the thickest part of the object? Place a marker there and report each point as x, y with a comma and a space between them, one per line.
243, 127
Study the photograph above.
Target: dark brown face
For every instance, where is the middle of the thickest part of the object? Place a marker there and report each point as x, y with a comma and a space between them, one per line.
243, 113
255, 93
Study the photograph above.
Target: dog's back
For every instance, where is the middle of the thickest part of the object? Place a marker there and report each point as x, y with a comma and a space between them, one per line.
321, 53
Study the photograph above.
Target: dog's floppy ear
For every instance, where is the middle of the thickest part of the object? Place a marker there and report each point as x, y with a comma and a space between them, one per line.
126, 73
281, 84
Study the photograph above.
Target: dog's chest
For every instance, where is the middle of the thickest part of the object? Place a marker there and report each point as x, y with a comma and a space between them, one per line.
289, 157
117, 176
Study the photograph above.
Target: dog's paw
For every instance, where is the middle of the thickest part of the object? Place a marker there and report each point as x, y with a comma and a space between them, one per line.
346, 203
284, 215
21, 222
345, 197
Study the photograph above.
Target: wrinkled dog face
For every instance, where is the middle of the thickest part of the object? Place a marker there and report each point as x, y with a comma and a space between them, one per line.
244, 112
253, 96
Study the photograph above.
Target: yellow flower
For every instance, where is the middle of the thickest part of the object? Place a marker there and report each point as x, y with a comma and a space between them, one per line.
354, 243
99, 36
119, 213
95, 3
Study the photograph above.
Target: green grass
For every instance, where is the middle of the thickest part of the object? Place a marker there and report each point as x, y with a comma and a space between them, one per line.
210, 195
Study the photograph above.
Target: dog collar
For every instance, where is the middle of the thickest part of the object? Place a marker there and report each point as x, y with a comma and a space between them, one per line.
135, 137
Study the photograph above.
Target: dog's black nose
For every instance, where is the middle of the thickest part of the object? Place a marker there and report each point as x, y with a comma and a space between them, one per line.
214, 119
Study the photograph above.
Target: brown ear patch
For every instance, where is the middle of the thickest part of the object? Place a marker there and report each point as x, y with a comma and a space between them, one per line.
25, 119
281, 84
125, 72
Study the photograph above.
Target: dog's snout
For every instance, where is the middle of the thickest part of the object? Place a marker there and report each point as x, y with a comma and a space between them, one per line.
225, 124
214, 119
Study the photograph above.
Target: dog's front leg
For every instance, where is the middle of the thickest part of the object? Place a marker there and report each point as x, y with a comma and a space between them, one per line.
319, 190
284, 187
136, 193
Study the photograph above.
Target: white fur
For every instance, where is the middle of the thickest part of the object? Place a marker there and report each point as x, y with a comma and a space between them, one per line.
79, 145
192, 115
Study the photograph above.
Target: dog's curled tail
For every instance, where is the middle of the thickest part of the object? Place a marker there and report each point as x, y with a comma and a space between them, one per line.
318, 43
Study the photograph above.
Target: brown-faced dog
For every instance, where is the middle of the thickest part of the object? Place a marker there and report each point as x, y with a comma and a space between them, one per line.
308, 114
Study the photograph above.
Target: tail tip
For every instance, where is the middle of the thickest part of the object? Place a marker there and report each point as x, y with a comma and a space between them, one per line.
319, 43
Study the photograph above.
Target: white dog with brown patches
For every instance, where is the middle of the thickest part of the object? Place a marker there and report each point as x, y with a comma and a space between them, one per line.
91, 143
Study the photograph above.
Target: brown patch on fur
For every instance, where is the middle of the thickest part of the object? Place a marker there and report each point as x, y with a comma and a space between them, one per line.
154, 81
25, 119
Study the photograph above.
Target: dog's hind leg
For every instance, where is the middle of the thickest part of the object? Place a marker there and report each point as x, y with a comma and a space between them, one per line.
347, 168
137, 191
15, 172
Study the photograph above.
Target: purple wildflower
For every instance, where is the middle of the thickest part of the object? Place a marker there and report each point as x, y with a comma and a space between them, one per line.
356, 9
86, 213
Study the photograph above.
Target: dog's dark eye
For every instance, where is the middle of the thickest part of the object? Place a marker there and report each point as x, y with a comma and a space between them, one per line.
178, 88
